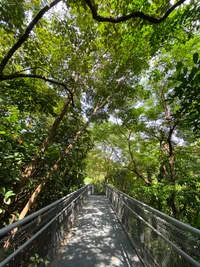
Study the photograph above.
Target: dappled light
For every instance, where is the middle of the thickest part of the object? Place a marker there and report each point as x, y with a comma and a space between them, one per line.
99, 94
97, 240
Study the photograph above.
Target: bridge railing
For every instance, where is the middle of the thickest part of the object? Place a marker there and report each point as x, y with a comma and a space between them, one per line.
160, 240
35, 240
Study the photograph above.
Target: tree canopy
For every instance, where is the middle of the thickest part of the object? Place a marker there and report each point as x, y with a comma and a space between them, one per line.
106, 90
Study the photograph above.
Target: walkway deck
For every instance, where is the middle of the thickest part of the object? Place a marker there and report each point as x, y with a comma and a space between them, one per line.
97, 240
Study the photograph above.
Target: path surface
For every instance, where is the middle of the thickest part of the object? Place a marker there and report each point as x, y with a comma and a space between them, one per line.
97, 240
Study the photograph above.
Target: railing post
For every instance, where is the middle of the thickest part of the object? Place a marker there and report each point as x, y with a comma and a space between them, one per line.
139, 227
54, 233
91, 189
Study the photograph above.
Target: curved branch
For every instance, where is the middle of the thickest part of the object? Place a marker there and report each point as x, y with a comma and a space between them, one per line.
35, 76
135, 168
135, 14
60, 159
31, 168
169, 138
25, 36
34, 68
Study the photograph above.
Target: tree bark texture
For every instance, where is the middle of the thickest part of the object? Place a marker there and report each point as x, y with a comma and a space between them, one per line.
58, 162
31, 168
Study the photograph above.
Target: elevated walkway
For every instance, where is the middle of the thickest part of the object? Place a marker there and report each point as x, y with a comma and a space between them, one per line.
97, 240
83, 230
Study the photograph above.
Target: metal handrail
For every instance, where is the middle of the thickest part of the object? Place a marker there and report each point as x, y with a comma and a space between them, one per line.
180, 251
146, 219
4, 262
9, 228
48, 224
166, 217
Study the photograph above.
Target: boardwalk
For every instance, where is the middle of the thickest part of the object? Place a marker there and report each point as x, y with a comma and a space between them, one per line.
97, 240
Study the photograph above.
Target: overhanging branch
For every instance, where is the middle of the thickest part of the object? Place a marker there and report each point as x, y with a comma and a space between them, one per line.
25, 36
35, 76
135, 14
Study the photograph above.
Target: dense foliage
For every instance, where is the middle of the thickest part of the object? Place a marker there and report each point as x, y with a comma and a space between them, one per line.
102, 89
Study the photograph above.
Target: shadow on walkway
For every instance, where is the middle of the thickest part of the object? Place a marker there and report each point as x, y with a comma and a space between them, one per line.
97, 240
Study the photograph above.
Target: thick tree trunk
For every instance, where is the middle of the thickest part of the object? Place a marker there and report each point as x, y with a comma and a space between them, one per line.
163, 170
171, 161
31, 168
172, 205
172, 167
171, 158
135, 168
58, 162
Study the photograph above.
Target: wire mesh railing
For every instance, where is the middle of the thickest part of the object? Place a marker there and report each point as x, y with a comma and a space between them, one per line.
35, 240
160, 240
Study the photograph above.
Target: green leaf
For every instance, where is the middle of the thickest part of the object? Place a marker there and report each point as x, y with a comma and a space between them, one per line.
193, 72
179, 65
7, 199
9, 194
2, 190
195, 57
185, 70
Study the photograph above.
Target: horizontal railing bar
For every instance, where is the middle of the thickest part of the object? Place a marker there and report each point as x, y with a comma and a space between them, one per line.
180, 251
168, 218
8, 228
17, 251
131, 240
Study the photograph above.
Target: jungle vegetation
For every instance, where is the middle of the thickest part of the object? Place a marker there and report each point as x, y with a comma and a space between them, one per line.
106, 90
